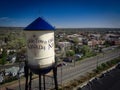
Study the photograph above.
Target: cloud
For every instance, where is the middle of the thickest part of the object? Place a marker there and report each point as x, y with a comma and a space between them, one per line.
5, 21
2, 19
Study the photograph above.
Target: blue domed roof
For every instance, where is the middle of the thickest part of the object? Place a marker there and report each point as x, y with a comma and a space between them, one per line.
40, 25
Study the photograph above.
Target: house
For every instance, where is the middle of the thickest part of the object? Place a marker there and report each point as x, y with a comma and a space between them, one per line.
90, 43
80, 39
80, 44
2, 43
85, 41
113, 39
95, 36
65, 45
73, 36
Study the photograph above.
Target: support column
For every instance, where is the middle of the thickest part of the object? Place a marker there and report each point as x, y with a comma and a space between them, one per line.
44, 81
40, 82
30, 83
26, 75
55, 77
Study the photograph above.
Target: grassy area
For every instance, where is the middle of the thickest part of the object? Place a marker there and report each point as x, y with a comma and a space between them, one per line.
90, 55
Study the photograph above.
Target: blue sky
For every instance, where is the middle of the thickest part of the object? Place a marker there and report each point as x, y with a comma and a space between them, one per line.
61, 13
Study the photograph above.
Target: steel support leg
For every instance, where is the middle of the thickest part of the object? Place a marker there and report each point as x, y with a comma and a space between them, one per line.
26, 75
55, 77
30, 82
44, 81
40, 82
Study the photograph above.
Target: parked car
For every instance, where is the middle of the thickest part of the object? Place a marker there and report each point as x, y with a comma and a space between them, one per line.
78, 56
61, 64
11, 58
68, 59
1, 79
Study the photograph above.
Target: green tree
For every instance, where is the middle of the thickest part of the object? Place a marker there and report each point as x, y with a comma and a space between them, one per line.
70, 53
4, 56
86, 50
107, 43
76, 41
75, 45
19, 42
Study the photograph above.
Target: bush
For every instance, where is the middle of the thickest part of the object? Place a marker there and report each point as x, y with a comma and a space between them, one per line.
104, 65
108, 63
70, 53
75, 83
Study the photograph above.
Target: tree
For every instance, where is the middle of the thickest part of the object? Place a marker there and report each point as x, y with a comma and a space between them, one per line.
17, 43
21, 42
70, 53
86, 50
76, 41
4, 56
75, 45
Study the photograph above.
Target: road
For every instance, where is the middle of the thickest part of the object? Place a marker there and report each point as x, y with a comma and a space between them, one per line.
70, 72
86, 66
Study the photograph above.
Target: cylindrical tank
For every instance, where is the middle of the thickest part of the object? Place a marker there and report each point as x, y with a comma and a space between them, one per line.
40, 46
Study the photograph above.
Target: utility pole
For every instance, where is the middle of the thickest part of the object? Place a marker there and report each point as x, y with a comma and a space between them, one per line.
97, 63
55, 78
61, 73
30, 82
74, 62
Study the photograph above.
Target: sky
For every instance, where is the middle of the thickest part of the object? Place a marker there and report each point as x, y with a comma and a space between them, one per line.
61, 13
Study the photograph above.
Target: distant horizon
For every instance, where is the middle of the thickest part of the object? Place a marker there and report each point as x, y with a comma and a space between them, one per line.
68, 27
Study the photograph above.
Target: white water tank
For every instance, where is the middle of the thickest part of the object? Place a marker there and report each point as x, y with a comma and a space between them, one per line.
40, 46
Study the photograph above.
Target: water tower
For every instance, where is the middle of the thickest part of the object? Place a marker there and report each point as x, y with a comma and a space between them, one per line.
40, 48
